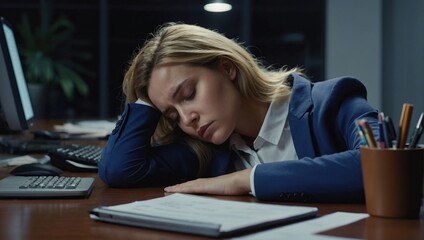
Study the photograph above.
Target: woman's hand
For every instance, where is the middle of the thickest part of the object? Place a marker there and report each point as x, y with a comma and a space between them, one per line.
236, 183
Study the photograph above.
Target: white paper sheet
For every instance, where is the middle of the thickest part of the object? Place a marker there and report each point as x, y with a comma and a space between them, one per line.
307, 229
17, 160
92, 128
229, 214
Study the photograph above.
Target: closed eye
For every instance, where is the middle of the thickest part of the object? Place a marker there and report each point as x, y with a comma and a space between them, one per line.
189, 93
192, 95
185, 92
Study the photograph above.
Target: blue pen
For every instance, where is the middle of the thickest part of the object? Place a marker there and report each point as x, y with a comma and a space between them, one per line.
382, 138
387, 140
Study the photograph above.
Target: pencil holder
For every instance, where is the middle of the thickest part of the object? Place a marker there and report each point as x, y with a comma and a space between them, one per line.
393, 181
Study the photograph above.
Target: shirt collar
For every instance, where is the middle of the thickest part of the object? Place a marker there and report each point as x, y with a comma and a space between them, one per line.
274, 123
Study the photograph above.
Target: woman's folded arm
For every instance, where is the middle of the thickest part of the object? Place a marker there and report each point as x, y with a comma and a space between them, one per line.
129, 160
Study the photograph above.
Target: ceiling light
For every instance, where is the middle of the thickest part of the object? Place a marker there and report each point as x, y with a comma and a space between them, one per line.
217, 6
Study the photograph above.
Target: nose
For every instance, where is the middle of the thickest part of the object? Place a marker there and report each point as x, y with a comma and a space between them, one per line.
188, 117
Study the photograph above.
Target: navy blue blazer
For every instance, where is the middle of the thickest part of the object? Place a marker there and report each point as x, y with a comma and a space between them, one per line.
322, 122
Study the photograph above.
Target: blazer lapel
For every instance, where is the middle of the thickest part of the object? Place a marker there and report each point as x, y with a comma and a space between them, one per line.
299, 117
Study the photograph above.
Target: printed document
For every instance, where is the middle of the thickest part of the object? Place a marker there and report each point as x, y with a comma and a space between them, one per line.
202, 215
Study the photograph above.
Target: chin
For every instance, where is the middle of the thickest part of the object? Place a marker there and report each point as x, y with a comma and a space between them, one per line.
217, 142
218, 139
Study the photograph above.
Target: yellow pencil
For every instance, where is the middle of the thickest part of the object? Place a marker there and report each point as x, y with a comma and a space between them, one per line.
405, 119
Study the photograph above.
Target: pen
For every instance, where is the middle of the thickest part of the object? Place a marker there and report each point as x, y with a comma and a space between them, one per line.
386, 136
381, 137
405, 119
417, 132
391, 132
363, 123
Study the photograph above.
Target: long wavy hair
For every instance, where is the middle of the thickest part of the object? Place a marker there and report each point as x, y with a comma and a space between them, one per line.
177, 43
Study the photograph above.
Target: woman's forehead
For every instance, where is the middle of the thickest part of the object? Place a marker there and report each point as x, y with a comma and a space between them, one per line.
165, 80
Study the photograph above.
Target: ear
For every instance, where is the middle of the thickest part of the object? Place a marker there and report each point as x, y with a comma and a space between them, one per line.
229, 68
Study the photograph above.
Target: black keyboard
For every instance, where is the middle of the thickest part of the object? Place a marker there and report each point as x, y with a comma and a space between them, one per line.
45, 186
51, 182
76, 158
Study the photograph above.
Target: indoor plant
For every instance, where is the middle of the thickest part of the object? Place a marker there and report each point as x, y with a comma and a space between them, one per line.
48, 56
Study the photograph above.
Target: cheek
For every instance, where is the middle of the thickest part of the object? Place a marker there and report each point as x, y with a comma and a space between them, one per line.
151, 97
221, 98
229, 101
188, 130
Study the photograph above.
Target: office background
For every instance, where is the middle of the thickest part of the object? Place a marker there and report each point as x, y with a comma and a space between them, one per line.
379, 42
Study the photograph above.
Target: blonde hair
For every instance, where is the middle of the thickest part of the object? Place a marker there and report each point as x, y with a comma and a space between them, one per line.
190, 44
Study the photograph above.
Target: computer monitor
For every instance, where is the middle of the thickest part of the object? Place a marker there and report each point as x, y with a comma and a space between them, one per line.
16, 111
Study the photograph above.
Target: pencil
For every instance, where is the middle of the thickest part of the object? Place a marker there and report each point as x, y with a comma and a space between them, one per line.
405, 119
361, 134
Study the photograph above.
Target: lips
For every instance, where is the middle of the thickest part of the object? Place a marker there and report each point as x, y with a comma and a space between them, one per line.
202, 130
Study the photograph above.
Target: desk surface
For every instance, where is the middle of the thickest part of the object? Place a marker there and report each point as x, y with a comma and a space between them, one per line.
69, 218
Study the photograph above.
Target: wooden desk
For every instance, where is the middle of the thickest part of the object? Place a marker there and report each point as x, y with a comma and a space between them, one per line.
69, 218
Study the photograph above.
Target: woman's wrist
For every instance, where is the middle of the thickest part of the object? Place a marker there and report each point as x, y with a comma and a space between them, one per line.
242, 181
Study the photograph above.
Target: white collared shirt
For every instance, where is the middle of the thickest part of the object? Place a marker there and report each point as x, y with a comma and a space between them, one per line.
273, 143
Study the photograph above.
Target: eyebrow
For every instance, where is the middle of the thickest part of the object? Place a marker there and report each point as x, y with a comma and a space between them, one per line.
175, 92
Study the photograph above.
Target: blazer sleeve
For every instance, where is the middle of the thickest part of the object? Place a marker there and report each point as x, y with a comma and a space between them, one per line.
129, 160
328, 178
334, 174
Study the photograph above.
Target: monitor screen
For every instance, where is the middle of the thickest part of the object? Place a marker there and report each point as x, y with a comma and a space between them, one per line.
16, 108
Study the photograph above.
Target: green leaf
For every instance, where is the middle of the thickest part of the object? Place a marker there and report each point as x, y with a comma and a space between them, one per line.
81, 86
66, 81
60, 31
69, 80
39, 68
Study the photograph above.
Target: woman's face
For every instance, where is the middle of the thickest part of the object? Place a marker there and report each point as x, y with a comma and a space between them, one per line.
205, 103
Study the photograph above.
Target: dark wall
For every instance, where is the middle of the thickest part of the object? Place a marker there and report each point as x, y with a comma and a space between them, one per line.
282, 33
